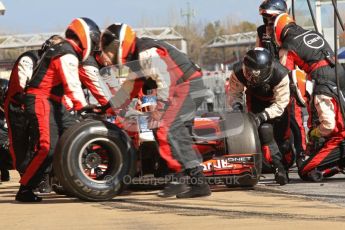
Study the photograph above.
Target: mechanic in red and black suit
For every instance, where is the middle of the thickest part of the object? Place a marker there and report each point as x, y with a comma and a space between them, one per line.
14, 104
14, 107
269, 10
266, 85
180, 91
56, 75
306, 49
325, 152
310, 52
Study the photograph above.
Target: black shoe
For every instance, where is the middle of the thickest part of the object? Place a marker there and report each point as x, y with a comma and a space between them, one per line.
5, 175
26, 194
281, 176
199, 190
198, 185
172, 189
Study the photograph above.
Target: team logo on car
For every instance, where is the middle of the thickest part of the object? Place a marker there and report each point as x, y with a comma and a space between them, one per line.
313, 41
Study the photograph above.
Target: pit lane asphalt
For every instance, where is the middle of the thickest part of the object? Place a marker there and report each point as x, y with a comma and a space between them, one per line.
269, 206
330, 190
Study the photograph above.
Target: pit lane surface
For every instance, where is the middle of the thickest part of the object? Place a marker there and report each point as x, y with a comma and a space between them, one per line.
295, 206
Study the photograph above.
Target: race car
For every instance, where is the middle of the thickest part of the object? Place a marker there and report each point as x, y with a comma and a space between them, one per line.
98, 157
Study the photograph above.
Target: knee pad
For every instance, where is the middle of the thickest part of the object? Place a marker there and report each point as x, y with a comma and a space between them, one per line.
266, 133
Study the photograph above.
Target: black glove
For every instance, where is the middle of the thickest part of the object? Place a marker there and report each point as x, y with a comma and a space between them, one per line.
237, 107
105, 107
87, 109
260, 118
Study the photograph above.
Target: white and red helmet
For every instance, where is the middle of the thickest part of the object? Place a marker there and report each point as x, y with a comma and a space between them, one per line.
281, 23
87, 32
122, 35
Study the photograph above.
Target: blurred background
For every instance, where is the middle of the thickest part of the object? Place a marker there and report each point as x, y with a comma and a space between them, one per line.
215, 34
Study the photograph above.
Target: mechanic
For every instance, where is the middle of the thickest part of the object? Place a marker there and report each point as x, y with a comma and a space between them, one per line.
5, 157
267, 96
327, 130
306, 49
14, 104
17, 122
56, 75
269, 10
180, 91
14, 107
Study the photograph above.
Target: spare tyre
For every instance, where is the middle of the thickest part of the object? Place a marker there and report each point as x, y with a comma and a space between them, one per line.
94, 160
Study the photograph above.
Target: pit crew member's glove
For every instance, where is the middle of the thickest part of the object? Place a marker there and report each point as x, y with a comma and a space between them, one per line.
260, 118
107, 109
86, 110
314, 134
237, 107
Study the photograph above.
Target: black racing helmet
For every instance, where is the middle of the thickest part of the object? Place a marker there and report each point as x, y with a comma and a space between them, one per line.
272, 8
257, 66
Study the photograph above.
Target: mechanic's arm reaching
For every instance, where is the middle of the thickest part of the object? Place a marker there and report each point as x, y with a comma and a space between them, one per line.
325, 107
127, 91
152, 65
236, 91
70, 79
89, 75
281, 98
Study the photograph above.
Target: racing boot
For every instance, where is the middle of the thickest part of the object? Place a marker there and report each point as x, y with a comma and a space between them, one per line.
175, 186
5, 175
25, 194
198, 184
280, 175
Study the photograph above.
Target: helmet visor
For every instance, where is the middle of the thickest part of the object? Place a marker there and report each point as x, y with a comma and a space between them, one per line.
107, 38
253, 76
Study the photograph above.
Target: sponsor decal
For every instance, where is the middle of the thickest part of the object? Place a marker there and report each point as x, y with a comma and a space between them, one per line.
241, 159
226, 163
313, 41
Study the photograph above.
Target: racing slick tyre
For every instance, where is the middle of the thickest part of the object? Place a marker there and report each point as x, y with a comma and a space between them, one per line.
243, 140
94, 160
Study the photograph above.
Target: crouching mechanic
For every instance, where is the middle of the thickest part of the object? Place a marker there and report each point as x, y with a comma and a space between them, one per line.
56, 75
267, 96
180, 91
325, 152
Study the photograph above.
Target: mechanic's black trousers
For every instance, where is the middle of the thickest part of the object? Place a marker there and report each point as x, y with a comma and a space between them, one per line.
48, 119
297, 126
18, 135
173, 135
